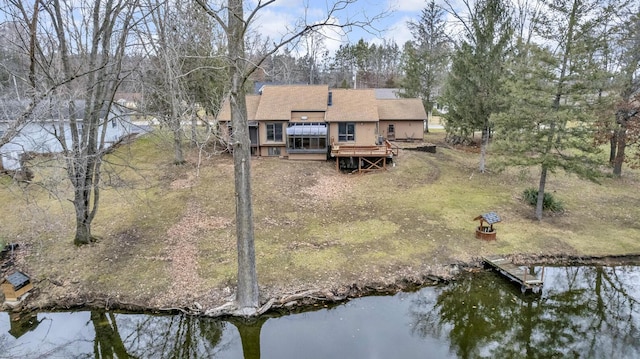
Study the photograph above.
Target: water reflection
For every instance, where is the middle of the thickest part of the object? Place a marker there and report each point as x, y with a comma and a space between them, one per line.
587, 312
250, 331
583, 312
99, 334
156, 336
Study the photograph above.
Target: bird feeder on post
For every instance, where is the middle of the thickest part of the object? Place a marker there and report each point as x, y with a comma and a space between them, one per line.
486, 231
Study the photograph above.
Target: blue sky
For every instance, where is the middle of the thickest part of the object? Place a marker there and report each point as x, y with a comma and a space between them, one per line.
274, 20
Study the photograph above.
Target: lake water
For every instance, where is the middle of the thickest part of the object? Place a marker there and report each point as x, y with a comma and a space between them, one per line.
583, 312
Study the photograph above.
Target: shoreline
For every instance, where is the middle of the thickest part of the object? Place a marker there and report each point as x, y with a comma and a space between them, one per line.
299, 300
167, 242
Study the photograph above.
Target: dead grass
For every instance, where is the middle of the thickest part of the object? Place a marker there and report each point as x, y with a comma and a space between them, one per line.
168, 234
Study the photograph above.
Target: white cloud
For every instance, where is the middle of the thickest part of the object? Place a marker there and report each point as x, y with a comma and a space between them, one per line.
399, 31
280, 3
408, 5
333, 36
273, 24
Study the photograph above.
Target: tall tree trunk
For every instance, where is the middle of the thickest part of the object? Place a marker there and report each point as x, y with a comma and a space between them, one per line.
613, 143
178, 153
429, 118
176, 119
83, 227
540, 202
483, 148
86, 195
194, 131
621, 136
247, 296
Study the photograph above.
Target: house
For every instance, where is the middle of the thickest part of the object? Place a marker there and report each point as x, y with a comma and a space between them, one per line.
38, 135
130, 100
401, 119
314, 122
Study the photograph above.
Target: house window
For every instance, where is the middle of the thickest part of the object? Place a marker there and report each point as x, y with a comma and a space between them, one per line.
392, 129
113, 123
346, 131
274, 132
307, 137
274, 151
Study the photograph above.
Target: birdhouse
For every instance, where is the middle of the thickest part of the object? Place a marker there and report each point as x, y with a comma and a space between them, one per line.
485, 230
16, 285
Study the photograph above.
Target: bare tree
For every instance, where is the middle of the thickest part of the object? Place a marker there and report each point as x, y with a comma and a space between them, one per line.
164, 92
184, 74
313, 47
23, 48
76, 50
236, 25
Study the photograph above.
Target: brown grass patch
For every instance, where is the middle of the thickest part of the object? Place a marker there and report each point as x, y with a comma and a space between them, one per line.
168, 232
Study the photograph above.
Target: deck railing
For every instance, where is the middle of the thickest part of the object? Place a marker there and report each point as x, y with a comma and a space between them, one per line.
387, 149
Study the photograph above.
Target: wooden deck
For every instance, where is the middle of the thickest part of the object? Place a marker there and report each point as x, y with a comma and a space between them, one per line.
518, 274
385, 150
369, 158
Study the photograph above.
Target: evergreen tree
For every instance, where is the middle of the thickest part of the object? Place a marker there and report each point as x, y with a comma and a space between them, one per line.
474, 86
552, 99
425, 57
343, 65
364, 65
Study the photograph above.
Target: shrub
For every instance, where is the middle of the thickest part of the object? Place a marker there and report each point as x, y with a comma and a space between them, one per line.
549, 203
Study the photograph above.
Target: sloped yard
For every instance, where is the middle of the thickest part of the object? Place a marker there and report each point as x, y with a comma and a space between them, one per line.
168, 233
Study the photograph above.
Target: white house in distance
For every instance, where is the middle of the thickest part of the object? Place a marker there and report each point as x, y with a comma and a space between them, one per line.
38, 135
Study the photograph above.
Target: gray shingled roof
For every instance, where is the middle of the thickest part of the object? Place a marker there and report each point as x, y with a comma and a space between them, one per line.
18, 280
491, 217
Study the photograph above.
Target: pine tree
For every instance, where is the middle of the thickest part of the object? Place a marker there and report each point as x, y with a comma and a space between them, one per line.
552, 100
474, 87
426, 57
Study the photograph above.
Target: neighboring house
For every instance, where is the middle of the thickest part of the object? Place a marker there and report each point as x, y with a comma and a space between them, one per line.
402, 119
39, 134
314, 122
130, 100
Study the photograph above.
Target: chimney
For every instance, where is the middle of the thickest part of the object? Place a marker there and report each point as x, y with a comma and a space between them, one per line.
330, 99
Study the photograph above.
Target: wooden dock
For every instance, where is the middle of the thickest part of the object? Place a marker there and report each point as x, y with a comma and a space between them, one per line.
518, 274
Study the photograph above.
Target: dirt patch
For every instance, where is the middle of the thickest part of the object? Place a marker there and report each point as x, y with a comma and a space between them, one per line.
182, 246
330, 187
